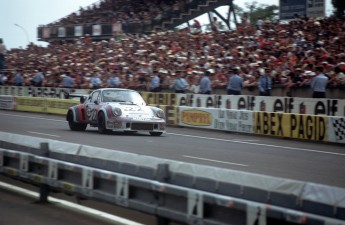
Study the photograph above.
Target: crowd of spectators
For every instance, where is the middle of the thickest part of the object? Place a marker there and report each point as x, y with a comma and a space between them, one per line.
142, 12
288, 54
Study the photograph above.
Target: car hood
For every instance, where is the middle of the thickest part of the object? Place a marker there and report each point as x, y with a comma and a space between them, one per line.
133, 110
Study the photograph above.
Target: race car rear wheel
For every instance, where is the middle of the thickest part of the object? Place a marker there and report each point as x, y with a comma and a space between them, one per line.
156, 133
73, 125
101, 124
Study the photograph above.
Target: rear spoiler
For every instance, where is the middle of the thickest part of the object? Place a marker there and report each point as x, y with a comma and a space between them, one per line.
81, 97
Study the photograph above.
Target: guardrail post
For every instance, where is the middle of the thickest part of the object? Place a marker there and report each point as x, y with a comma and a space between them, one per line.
163, 175
44, 188
44, 147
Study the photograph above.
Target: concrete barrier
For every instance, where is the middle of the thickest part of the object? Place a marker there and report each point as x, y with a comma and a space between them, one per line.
170, 190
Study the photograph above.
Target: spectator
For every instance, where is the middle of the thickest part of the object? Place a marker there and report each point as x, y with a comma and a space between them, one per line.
338, 78
68, 81
279, 47
164, 79
95, 81
142, 80
50, 80
319, 83
38, 78
235, 83
18, 79
195, 82
205, 83
294, 80
155, 82
114, 81
220, 80
215, 24
181, 84
264, 83
196, 27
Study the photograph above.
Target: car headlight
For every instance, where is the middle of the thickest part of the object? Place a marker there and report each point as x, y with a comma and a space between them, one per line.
117, 112
160, 114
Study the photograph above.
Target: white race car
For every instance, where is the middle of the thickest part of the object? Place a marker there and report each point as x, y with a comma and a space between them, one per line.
116, 109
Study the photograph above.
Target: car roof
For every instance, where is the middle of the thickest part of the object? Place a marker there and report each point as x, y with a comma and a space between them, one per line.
117, 89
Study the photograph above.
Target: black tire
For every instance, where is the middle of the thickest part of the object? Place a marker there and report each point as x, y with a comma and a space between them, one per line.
101, 124
73, 125
156, 133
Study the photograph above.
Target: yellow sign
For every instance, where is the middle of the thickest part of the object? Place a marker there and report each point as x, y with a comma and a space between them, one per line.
196, 117
309, 127
30, 104
59, 106
171, 117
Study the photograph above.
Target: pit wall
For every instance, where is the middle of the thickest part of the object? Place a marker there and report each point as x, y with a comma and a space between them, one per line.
300, 118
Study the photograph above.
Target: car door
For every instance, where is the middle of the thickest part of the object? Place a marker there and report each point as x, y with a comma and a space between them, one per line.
92, 107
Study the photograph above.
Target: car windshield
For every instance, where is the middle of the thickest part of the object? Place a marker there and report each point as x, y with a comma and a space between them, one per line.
123, 96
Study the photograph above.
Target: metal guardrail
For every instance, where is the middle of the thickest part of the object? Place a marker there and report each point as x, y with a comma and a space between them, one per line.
161, 189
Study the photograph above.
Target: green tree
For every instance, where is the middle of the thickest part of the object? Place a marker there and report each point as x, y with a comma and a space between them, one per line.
339, 7
254, 11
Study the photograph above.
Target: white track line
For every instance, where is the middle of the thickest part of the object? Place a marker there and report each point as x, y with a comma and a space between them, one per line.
70, 205
51, 135
259, 144
212, 160
32, 117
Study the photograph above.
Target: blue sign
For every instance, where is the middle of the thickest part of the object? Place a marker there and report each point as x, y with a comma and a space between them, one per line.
288, 9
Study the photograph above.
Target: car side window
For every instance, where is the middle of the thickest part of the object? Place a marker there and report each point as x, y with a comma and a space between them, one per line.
95, 97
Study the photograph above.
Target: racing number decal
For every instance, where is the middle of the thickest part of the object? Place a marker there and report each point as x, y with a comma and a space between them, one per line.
91, 113
132, 109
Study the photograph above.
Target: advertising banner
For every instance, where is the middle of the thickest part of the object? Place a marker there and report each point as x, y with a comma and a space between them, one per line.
13, 90
310, 8
316, 8
78, 31
6, 102
312, 106
96, 30
117, 27
46, 92
46, 32
57, 106
336, 129
220, 119
289, 8
159, 98
307, 127
171, 114
61, 32
29, 104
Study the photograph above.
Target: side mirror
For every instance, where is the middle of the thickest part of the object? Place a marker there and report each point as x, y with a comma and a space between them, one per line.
82, 99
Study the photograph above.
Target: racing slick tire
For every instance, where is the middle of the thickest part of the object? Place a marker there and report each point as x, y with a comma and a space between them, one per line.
101, 124
156, 133
73, 125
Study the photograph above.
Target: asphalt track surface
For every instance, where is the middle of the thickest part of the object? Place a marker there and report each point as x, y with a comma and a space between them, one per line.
286, 158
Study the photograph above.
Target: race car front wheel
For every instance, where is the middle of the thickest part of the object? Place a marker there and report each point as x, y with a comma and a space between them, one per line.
73, 125
101, 124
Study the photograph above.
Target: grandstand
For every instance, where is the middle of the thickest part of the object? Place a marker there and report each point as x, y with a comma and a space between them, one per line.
107, 18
